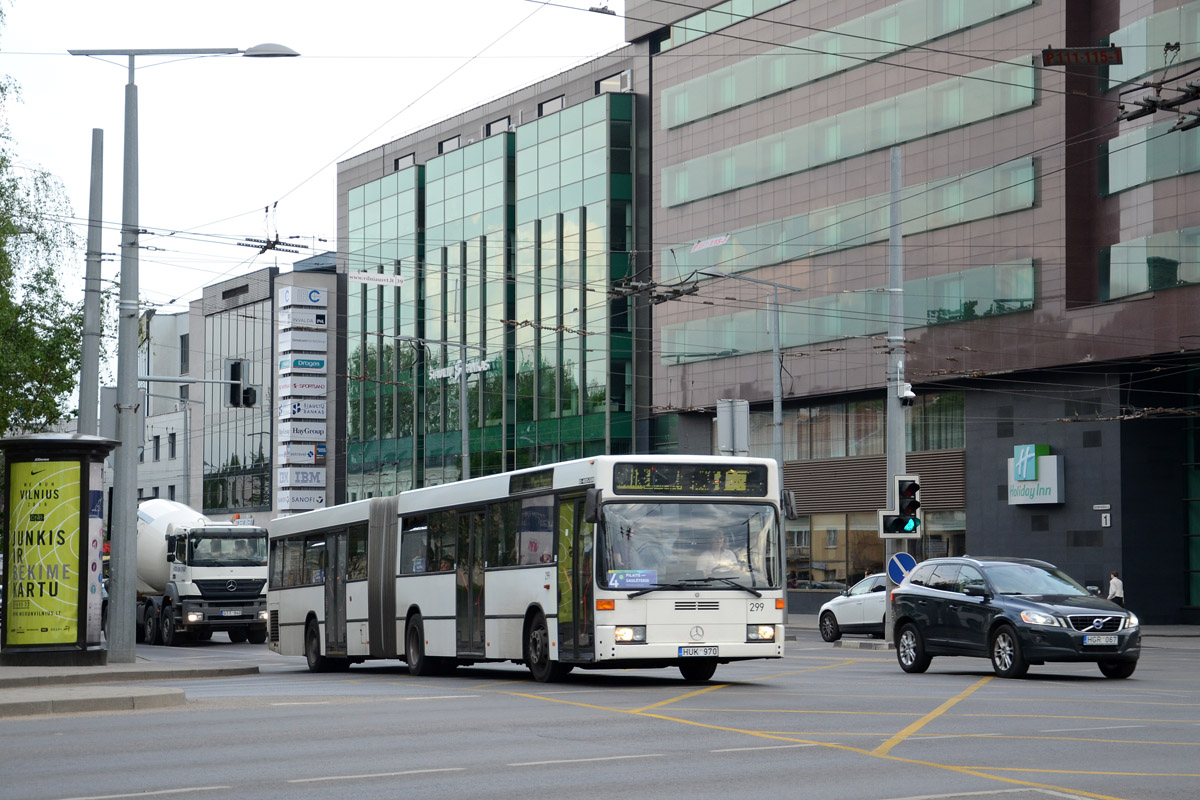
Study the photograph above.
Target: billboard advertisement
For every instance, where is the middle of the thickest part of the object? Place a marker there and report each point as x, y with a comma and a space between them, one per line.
43, 555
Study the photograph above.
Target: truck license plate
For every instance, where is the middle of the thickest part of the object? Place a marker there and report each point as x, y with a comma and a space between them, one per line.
692, 652
231, 612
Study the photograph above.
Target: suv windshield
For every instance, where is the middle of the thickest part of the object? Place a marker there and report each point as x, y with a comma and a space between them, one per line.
1031, 579
650, 545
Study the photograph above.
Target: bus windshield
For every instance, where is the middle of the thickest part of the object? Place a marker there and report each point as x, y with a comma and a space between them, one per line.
664, 544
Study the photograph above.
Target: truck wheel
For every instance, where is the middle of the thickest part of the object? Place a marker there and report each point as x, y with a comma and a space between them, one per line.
237, 635
166, 624
257, 635
202, 636
150, 624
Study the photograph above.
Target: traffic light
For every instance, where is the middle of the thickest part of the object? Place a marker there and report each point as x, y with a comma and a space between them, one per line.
908, 502
234, 371
240, 394
905, 521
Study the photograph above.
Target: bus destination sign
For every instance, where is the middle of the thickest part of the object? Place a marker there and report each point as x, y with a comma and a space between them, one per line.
690, 479
1081, 56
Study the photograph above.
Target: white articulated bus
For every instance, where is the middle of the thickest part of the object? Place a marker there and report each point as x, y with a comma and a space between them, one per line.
599, 563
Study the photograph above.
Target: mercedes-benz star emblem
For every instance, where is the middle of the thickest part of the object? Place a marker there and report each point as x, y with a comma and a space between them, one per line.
231, 586
697, 633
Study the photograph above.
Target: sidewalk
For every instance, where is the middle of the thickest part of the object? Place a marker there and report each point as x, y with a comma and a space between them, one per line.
25, 691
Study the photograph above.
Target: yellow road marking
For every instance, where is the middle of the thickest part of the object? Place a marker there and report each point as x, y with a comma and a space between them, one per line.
1092, 772
887, 746
860, 751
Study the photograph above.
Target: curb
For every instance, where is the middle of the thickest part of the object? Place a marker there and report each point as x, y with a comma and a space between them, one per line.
79, 699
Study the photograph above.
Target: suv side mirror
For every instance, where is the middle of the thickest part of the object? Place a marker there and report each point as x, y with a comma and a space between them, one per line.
975, 590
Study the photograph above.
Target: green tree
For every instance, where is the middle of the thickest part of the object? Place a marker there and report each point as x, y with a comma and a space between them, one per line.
42, 332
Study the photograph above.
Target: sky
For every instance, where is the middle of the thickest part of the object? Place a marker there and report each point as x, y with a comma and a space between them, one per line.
234, 148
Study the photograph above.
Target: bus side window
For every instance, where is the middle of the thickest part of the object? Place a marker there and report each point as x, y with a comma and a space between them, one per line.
293, 560
356, 564
443, 534
502, 534
414, 546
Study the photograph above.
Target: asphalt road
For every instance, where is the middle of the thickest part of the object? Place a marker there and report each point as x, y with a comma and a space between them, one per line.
823, 722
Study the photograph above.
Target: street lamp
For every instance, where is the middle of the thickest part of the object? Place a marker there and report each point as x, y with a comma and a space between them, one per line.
121, 645
777, 373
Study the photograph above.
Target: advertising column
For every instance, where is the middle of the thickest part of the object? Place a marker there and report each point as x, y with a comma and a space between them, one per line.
53, 540
304, 377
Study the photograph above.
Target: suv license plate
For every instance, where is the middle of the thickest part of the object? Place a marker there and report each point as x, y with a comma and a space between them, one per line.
692, 652
1096, 639
231, 612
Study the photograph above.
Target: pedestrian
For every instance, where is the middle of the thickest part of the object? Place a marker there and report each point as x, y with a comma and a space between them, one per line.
1116, 589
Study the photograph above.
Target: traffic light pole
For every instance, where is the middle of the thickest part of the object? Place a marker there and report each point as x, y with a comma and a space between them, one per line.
896, 449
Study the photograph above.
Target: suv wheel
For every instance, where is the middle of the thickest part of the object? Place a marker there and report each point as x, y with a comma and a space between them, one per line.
910, 649
1005, 651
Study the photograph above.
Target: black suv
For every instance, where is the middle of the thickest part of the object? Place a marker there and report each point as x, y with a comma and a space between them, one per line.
1015, 611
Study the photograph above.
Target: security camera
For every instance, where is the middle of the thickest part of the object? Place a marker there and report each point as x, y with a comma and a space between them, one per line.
905, 392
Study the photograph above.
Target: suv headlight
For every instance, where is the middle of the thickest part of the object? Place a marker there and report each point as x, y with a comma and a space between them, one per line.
1131, 621
1040, 618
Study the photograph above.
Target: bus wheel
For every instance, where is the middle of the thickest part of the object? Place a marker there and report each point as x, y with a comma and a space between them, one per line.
414, 650
537, 653
697, 671
312, 649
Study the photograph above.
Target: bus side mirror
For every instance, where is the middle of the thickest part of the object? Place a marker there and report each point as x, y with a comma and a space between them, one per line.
591, 506
789, 504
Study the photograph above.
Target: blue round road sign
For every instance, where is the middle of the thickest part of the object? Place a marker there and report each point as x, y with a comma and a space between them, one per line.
900, 565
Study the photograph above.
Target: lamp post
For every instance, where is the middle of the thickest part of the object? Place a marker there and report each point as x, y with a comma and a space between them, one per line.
123, 597
777, 372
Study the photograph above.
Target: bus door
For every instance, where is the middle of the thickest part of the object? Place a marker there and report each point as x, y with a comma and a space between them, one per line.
337, 547
469, 577
575, 553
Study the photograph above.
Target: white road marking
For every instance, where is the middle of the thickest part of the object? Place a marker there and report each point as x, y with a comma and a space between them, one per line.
375, 775
585, 760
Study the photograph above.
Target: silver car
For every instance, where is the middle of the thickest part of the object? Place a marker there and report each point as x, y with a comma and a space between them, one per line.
859, 609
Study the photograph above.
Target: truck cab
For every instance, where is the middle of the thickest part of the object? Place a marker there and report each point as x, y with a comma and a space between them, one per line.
217, 582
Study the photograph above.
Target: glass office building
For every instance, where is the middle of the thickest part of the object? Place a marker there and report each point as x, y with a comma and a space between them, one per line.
487, 268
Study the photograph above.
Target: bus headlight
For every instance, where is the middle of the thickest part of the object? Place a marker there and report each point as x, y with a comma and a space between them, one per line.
760, 633
195, 616
630, 633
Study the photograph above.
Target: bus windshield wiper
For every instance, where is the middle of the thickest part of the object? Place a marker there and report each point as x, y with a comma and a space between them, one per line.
656, 587
729, 581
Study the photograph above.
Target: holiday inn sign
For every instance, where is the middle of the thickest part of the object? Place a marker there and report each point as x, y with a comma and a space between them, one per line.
1034, 476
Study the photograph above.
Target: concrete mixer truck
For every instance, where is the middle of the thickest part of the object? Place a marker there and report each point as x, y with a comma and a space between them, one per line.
196, 576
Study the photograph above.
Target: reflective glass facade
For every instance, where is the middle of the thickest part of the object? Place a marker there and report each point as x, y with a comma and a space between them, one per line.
503, 250
1159, 261
852, 44
924, 207
1149, 153
237, 441
954, 297
1142, 41
982, 94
